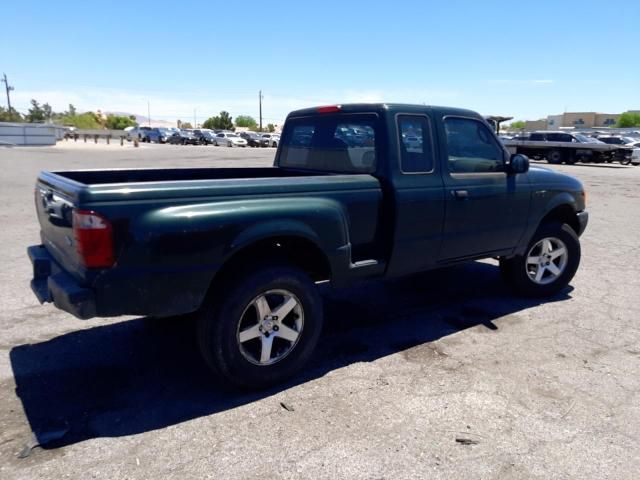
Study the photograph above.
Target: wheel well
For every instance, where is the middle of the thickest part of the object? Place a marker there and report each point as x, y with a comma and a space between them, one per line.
563, 214
296, 251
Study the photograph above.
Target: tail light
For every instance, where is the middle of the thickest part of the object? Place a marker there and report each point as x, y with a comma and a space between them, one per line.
330, 109
94, 239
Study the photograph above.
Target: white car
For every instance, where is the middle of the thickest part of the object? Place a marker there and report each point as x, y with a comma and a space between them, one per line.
635, 156
229, 139
272, 138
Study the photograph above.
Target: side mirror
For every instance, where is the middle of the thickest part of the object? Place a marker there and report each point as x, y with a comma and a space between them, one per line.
518, 163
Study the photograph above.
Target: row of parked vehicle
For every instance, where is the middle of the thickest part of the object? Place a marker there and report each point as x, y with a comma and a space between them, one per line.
571, 147
204, 136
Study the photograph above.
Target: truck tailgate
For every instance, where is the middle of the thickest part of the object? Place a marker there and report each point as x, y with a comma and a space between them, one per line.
54, 203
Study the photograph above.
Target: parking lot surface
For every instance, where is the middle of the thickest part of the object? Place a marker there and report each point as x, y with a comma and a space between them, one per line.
440, 375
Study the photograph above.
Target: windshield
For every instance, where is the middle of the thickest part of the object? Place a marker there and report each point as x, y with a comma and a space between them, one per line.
325, 143
231, 135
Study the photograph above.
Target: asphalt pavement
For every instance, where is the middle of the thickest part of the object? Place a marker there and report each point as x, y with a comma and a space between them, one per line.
440, 375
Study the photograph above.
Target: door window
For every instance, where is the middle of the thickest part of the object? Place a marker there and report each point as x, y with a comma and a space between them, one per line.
416, 149
471, 147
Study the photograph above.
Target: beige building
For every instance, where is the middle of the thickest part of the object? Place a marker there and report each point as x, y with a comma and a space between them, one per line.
582, 120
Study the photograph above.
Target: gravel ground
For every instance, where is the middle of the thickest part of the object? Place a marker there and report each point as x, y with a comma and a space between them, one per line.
442, 375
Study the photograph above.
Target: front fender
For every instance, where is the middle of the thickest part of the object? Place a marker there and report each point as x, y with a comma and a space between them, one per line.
544, 202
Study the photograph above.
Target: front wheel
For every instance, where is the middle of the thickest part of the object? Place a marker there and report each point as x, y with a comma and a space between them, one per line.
262, 328
550, 262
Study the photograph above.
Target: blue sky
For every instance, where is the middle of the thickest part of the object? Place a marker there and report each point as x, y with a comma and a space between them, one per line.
526, 59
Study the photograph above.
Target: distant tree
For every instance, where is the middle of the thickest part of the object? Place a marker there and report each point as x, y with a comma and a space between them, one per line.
10, 116
81, 120
220, 122
271, 127
517, 125
226, 122
246, 121
628, 119
185, 125
119, 122
72, 111
36, 112
48, 112
209, 123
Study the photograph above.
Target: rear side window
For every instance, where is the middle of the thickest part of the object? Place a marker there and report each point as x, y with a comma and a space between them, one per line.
416, 148
537, 137
344, 143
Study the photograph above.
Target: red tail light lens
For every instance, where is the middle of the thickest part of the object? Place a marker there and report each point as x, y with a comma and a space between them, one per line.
330, 109
94, 239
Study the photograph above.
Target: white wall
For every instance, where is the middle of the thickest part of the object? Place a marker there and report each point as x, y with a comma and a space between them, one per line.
27, 134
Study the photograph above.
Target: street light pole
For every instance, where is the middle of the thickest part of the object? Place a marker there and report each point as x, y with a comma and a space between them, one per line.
195, 119
8, 88
149, 113
260, 104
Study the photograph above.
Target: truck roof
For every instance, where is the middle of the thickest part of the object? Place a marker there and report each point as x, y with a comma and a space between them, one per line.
381, 107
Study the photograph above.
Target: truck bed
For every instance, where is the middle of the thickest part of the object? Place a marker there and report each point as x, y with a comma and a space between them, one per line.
160, 215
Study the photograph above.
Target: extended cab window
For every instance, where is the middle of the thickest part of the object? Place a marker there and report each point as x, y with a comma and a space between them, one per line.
471, 147
416, 152
335, 143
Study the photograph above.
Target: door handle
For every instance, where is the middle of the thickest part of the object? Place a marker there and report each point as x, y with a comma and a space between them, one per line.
460, 194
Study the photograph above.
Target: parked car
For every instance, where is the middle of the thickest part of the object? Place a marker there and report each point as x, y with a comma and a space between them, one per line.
230, 139
184, 137
272, 138
157, 135
139, 132
243, 248
205, 137
254, 139
616, 140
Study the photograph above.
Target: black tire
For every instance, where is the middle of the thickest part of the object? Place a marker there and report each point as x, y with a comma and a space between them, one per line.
555, 157
570, 160
625, 161
515, 270
221, 318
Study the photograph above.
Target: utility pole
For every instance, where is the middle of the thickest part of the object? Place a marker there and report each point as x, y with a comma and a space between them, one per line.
8, 88
260, 104
195, 120
149, 113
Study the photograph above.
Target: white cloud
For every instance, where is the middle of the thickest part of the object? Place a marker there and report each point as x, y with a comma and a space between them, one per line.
543, 81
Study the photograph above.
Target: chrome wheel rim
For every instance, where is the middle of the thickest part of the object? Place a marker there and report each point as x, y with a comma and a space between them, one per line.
547, 260
270, 327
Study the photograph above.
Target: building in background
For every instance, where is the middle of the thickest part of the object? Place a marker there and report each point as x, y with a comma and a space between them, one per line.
576, 120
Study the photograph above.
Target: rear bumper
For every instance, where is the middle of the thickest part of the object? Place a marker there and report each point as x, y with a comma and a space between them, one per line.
51, 283
583, 219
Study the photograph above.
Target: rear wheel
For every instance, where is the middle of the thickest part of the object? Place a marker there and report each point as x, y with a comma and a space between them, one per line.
262, 328
555, 157
550, 262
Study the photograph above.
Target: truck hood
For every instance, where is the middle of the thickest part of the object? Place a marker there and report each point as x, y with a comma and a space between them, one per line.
546, 176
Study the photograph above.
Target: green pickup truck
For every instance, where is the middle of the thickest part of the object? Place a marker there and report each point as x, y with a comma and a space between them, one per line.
356, 192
